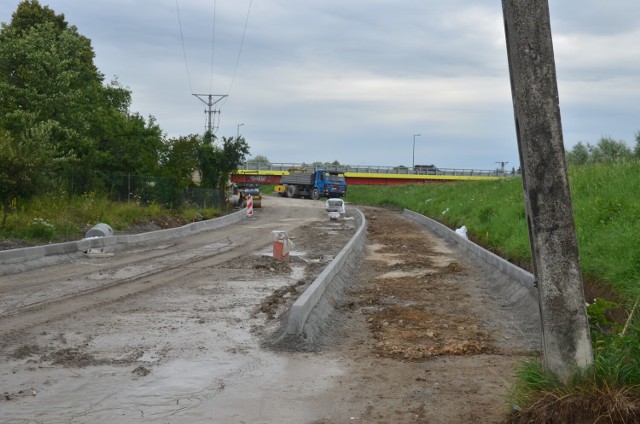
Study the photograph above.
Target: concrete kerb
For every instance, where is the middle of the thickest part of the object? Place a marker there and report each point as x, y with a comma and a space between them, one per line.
17, 256
303, 306
526, 279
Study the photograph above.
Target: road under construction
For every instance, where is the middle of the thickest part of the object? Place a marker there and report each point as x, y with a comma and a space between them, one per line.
204, 326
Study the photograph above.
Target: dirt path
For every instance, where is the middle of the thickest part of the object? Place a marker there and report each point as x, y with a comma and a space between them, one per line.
429, 337
175, 333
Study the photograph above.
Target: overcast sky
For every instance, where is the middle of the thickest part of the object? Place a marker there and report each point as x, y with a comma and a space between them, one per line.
354, 80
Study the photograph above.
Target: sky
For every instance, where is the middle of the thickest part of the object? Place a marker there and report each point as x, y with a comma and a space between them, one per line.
356, 81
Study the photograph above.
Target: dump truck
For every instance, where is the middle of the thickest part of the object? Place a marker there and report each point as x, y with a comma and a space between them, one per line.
312, 184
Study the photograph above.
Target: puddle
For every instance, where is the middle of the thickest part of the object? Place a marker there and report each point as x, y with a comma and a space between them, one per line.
132, 271
232, 387
215, 246
149, 357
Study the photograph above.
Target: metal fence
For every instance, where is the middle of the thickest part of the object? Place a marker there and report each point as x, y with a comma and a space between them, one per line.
145, 190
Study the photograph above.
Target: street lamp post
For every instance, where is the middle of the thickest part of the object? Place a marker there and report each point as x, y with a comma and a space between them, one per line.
413, 160
238, 131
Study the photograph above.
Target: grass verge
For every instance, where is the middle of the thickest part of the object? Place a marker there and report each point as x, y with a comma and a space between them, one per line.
59, 218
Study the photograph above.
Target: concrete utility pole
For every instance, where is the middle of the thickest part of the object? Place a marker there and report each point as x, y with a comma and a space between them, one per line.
566, 341
210, 102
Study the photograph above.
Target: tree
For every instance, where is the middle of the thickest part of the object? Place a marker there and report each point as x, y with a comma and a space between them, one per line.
636, 150
186, 157
181, 159
579, 155
228, 158
47, 71
30, 13
24, 163
334, 164
260, 161
179, 163
609, 150
207, 160
47, 74
129, 144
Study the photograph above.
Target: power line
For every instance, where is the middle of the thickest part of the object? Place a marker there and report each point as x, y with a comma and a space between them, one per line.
244, 31
184, 50
211, 124
213, 45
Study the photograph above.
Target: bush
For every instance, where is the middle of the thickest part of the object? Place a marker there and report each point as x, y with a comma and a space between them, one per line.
40, 229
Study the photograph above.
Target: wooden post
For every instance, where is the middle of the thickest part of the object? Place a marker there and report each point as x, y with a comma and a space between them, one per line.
566, 340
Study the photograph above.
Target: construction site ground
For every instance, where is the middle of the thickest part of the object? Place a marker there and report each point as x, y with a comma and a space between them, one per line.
182, 331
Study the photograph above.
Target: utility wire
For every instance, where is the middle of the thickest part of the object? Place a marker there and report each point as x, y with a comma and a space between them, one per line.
235, 70
213, 44
244, 31
184, 50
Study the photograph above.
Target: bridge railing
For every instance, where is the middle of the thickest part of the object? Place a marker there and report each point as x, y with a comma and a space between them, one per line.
375, 169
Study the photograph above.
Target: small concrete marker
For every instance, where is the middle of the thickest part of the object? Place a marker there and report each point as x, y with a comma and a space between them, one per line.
281, 244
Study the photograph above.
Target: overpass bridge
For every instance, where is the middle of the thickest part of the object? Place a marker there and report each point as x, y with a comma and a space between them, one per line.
271, 173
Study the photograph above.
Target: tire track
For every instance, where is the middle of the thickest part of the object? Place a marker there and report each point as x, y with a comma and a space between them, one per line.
240, 240
66, 306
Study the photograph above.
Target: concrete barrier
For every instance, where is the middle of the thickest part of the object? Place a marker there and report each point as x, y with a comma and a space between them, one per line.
27, 254
336, 273
524, 278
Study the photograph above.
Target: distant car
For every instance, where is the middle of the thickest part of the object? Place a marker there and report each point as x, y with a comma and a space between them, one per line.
425, 169
335, 205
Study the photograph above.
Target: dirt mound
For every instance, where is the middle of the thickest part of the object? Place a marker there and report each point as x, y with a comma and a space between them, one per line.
415, 334
414, 304
71, 358
264, 264
26, 351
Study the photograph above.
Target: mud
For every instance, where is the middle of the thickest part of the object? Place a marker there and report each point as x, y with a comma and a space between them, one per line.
421, 334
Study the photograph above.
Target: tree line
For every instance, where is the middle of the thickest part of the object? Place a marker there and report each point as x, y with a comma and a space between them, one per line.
606, 151
63, 128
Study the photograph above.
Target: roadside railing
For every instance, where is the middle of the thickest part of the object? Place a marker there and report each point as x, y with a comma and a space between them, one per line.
369, 169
